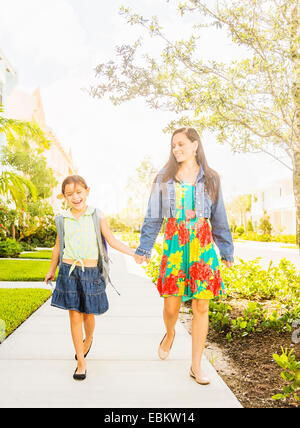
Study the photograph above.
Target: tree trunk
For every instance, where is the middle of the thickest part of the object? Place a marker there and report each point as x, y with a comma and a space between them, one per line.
13, 230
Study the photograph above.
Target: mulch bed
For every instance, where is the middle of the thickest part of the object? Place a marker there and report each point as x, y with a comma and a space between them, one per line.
246, 364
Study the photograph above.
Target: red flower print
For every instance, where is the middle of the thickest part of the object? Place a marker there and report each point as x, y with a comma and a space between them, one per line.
163, 266
181, 274
171, 228
203, 233
159, 285
170, 286
214, 284
190, 214
201, 271
183, 234
193, 285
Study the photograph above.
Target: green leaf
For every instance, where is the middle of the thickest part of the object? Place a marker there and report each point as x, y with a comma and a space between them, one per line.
278, 397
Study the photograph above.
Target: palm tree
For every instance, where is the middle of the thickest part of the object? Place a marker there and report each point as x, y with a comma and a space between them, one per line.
11, 184
11, 127
15, 186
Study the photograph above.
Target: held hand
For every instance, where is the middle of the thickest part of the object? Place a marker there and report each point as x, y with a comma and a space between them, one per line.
227, 263
140, 259
50, 276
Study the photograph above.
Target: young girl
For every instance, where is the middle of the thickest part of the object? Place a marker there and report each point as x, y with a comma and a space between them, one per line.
79, 280
188, 193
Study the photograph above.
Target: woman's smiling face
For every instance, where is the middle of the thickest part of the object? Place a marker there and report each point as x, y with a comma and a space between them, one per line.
183, 148
76, 195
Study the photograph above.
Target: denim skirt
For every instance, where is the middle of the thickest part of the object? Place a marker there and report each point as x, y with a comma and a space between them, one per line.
82, 291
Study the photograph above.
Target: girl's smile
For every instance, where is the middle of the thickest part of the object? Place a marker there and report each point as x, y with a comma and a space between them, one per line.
76, 196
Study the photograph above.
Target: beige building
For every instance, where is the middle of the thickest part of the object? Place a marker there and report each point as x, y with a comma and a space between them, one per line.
29, 107
277, 198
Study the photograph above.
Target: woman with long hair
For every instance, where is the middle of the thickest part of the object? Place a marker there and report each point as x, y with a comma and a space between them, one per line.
188, 193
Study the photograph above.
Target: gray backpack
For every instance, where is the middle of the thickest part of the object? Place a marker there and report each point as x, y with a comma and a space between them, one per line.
103, 260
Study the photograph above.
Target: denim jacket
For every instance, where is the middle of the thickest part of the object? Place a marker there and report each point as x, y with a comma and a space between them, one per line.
162, 204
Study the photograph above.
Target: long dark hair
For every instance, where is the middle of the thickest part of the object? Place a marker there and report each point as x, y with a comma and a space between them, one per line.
212, 178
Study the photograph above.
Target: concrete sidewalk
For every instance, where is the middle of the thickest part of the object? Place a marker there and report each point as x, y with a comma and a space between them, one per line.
37, 360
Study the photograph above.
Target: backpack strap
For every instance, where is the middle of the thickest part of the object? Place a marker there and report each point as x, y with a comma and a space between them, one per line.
59, 221
103, 261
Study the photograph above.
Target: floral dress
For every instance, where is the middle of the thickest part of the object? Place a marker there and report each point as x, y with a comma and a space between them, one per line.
189, 267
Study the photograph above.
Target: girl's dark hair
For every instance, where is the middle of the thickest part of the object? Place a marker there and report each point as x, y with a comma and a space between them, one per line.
212, 178
76, 179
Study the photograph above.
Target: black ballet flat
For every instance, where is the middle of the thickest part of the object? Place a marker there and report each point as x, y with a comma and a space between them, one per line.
87, 351
79, 376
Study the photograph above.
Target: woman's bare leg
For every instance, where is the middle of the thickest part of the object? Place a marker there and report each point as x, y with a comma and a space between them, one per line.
171, 311
199, 332
76, 322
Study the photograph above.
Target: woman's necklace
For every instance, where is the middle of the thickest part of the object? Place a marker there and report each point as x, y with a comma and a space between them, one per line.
191, 178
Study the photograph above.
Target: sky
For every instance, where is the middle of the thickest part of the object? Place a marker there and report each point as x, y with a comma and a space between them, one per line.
56, 44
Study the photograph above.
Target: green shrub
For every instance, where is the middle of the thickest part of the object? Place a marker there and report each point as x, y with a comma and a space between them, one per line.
250, 226
251, 236
6, 219
44, 236
10, 248
291, 374
254, 236
265, 226
240, 230
264, 237
287, 239
219, 315
251, 281
26, 247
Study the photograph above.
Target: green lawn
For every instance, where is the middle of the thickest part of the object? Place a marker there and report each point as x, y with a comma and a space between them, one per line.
46, 254
16, 305
23, 270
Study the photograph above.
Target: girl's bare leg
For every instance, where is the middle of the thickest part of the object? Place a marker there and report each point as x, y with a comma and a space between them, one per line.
76, 322
89, 327
171, 311
199, 332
